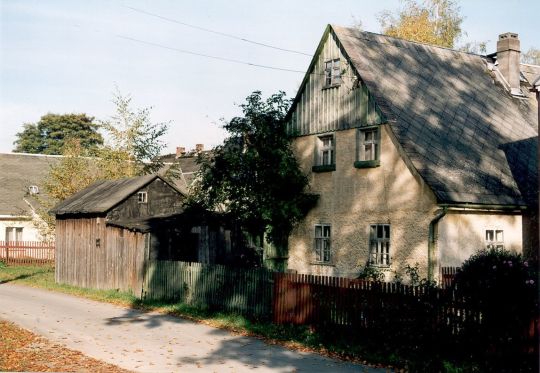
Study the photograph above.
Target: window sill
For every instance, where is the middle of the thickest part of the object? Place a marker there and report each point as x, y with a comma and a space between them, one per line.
335, 85
324, 168
367, 164
328, 264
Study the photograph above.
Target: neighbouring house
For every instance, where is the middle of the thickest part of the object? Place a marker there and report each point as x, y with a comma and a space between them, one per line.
420, 154
22, 190
108, 232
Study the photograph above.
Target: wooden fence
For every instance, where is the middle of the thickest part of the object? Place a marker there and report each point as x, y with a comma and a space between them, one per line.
447, 276
26, 252
244, 291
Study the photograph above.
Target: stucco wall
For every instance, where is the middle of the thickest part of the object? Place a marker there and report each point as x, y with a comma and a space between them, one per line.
462, 234
351, 199
30, 233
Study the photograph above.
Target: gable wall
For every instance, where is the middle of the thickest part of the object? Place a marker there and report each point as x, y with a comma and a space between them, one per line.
347, 106
162, 200
351, 199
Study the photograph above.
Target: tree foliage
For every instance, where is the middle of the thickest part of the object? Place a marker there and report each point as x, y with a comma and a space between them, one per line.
532, 56
254, 174
436, 22
49, 135
133, 149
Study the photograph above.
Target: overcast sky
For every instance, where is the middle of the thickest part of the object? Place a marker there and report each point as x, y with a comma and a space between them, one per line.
68, 56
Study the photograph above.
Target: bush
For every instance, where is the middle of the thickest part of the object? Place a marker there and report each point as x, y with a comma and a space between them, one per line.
503, 288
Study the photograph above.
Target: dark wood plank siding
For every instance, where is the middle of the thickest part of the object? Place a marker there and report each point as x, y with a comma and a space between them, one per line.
118, 262
319, 109
162, 200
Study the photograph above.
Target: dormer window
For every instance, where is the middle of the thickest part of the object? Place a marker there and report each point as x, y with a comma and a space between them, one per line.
332, 73
33, 189
142, 197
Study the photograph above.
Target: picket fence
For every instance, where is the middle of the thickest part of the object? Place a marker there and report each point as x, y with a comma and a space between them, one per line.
26, 252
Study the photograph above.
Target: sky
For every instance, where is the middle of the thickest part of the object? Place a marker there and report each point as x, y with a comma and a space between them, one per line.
70, 56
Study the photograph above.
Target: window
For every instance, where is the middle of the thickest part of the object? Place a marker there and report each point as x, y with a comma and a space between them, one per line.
379, 244
494, 239
368, 148
332, 73
33, 189
14, 234
324, 154
142, 197
322, 243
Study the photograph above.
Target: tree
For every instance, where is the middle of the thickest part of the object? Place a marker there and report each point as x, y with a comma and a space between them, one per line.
532, 56
133, 149
436, 22
48, 136
254, 174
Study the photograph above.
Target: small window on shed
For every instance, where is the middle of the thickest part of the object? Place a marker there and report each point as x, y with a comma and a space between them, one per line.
33, 189
142, 197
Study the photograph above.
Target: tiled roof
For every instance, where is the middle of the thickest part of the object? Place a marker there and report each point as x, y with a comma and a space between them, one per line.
18, 171
468, 138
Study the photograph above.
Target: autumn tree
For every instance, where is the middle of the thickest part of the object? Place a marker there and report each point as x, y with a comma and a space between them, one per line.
133, 148
436, 22
254, 175
50, 133
532, 56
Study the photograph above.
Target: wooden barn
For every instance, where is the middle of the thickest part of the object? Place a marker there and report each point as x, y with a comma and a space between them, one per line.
98, 244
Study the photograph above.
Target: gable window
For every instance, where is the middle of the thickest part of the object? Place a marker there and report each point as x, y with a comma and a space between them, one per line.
14, 234
368, 147
325, 154
33, 189
494, 239
142, 197
322, 243
332, 73
379, 244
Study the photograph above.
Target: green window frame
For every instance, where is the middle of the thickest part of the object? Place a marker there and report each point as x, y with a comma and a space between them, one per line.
368, 147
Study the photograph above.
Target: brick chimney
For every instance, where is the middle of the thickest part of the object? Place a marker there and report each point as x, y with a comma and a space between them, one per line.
508, 54
180, 151
199, 148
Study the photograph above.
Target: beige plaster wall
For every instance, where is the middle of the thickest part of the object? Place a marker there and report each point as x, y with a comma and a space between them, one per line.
462, 234
351, 199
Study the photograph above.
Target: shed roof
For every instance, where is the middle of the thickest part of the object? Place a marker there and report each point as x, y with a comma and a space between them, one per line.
451, 118
103, 195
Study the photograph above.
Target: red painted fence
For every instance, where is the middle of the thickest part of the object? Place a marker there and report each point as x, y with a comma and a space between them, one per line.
26, 252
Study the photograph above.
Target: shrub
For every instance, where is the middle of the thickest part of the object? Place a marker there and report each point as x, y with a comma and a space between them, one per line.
503, 288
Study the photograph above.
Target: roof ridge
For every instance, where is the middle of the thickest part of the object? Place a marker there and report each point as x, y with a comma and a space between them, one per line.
408, 41
34, 154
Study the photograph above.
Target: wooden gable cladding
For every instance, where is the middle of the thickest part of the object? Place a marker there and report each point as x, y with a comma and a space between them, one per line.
318, 108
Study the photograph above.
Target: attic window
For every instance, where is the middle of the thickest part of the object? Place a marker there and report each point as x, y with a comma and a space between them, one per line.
332, 73
142, 197
33, 189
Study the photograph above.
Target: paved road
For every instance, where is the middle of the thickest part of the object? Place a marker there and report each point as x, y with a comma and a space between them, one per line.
151, 342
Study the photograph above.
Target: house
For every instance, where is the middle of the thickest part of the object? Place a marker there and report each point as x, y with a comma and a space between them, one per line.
21, 183
420, 154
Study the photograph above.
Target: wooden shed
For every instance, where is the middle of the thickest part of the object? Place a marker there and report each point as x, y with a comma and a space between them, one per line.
98, 241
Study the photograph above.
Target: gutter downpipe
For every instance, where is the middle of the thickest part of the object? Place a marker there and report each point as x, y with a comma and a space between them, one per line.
432, 242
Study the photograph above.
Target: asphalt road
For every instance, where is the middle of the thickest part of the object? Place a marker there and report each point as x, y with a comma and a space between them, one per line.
151, 342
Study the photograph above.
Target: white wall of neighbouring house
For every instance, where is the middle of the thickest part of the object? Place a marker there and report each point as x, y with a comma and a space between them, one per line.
29, 233
462, 234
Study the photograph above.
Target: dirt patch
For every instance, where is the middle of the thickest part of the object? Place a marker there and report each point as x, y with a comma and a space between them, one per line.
21, 350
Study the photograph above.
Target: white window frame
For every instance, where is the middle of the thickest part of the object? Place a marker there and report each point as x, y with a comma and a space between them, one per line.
16, 231
494, 238
379, 245
325, 152
142, 197
323, 243
332, 72
374, 144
